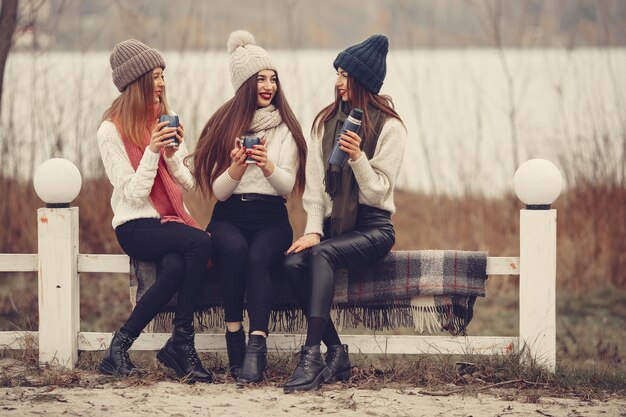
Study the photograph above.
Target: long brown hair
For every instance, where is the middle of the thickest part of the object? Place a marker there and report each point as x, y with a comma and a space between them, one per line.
361, 98
212, 155
132, 111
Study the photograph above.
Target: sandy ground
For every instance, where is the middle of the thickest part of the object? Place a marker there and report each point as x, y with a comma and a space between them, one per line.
176, 399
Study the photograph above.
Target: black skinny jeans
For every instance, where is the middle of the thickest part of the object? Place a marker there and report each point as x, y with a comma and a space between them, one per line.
312, 271
249, 238
182, 252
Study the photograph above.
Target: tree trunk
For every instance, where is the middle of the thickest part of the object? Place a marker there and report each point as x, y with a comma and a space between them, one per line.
8, 22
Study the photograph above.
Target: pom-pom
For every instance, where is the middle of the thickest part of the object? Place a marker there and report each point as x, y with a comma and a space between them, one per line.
239, 38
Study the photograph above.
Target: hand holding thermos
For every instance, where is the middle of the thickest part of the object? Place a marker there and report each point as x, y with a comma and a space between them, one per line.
167, 134
348, 142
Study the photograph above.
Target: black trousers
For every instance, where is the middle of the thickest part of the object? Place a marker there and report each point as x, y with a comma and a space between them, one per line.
249, 237
182, 252
312, 271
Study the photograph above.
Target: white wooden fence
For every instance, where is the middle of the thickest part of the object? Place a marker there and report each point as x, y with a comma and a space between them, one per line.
59, 265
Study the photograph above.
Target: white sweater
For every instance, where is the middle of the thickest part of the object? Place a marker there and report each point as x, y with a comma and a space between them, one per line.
283, 152
375, 177
131, 188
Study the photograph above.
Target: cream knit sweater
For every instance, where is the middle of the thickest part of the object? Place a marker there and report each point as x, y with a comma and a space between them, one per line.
282, 151
375, 177
131, 188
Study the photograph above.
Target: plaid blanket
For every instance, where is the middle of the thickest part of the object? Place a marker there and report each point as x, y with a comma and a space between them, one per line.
429, 290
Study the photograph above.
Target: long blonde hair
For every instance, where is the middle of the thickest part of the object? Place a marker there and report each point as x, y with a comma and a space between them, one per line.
132, 111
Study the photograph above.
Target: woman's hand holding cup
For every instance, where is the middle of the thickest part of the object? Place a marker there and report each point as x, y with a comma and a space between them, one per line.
159, 133
171, 150
259, 154
238, 161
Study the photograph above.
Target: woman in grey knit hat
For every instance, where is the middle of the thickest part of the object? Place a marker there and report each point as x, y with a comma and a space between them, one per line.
150, 220
348, 208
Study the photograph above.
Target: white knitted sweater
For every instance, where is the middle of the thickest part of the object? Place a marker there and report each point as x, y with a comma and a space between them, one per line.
131, 188
375, 177
282, 151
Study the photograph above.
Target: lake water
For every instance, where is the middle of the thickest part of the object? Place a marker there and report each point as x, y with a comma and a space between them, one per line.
462, 112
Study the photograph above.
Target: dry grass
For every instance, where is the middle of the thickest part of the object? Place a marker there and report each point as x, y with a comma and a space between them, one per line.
591, 226
437, 375
590, 314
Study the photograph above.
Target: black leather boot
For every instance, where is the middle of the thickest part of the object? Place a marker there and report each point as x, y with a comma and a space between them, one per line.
116, 361
338, 361
255, 360
179, 354
236, 348
310, 373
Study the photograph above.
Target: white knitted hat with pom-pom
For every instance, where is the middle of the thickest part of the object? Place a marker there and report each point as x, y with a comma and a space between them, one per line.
246, 58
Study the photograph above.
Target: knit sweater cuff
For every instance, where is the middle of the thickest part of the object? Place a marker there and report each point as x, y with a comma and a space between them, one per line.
315, 221
281, 181
174, 163
363, 171
150, 158
224, 186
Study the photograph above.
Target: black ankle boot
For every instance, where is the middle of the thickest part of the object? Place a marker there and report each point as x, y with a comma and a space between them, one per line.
116, 361
338, 361
236, 348
310, 373
179, 354
255, 360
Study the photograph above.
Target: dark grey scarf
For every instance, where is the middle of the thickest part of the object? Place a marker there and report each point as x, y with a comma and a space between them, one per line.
339, 181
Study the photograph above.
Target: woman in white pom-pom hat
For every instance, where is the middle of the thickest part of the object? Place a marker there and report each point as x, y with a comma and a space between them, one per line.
250, 225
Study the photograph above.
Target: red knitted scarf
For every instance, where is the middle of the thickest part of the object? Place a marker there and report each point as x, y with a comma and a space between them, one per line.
166, 196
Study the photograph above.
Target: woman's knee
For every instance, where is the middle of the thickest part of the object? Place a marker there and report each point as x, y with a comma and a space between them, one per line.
203, 245
294, 264
321, 251
172, 266
233, 247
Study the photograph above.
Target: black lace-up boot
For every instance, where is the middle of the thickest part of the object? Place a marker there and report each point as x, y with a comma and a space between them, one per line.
116, 361
179, 354
236, 348
255, 360
310, 373
338, 361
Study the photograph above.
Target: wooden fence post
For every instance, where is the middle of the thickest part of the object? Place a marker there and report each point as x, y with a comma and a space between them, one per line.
537, 288
57, 182
59, 315
538, 183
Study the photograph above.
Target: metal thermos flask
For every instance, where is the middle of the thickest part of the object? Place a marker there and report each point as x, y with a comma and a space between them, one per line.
352, 123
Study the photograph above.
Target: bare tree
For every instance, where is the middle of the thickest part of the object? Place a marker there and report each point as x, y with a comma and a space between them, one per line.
8, 23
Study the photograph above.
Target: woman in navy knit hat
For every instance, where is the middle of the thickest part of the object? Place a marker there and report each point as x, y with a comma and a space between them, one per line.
349, 208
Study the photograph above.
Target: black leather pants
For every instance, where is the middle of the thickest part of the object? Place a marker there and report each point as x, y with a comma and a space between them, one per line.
312, 271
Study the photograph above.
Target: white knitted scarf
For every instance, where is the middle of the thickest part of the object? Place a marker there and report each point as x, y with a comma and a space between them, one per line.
265, 121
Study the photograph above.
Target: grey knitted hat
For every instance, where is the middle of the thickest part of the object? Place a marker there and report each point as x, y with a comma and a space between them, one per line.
246, 58
131, 59
366, 62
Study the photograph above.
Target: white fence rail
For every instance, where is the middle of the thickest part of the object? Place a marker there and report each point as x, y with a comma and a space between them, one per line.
59, 265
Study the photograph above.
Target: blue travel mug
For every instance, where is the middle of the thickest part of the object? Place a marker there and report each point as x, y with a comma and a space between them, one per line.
352, 123
248, 143
173, 123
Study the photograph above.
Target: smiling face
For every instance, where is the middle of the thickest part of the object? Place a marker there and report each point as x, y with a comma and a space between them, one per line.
159, 83
267, 85
342, 84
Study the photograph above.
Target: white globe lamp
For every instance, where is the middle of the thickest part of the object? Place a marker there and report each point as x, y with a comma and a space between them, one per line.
57, 182
538, 183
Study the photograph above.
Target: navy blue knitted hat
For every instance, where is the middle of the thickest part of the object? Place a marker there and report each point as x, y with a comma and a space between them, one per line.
366, 62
